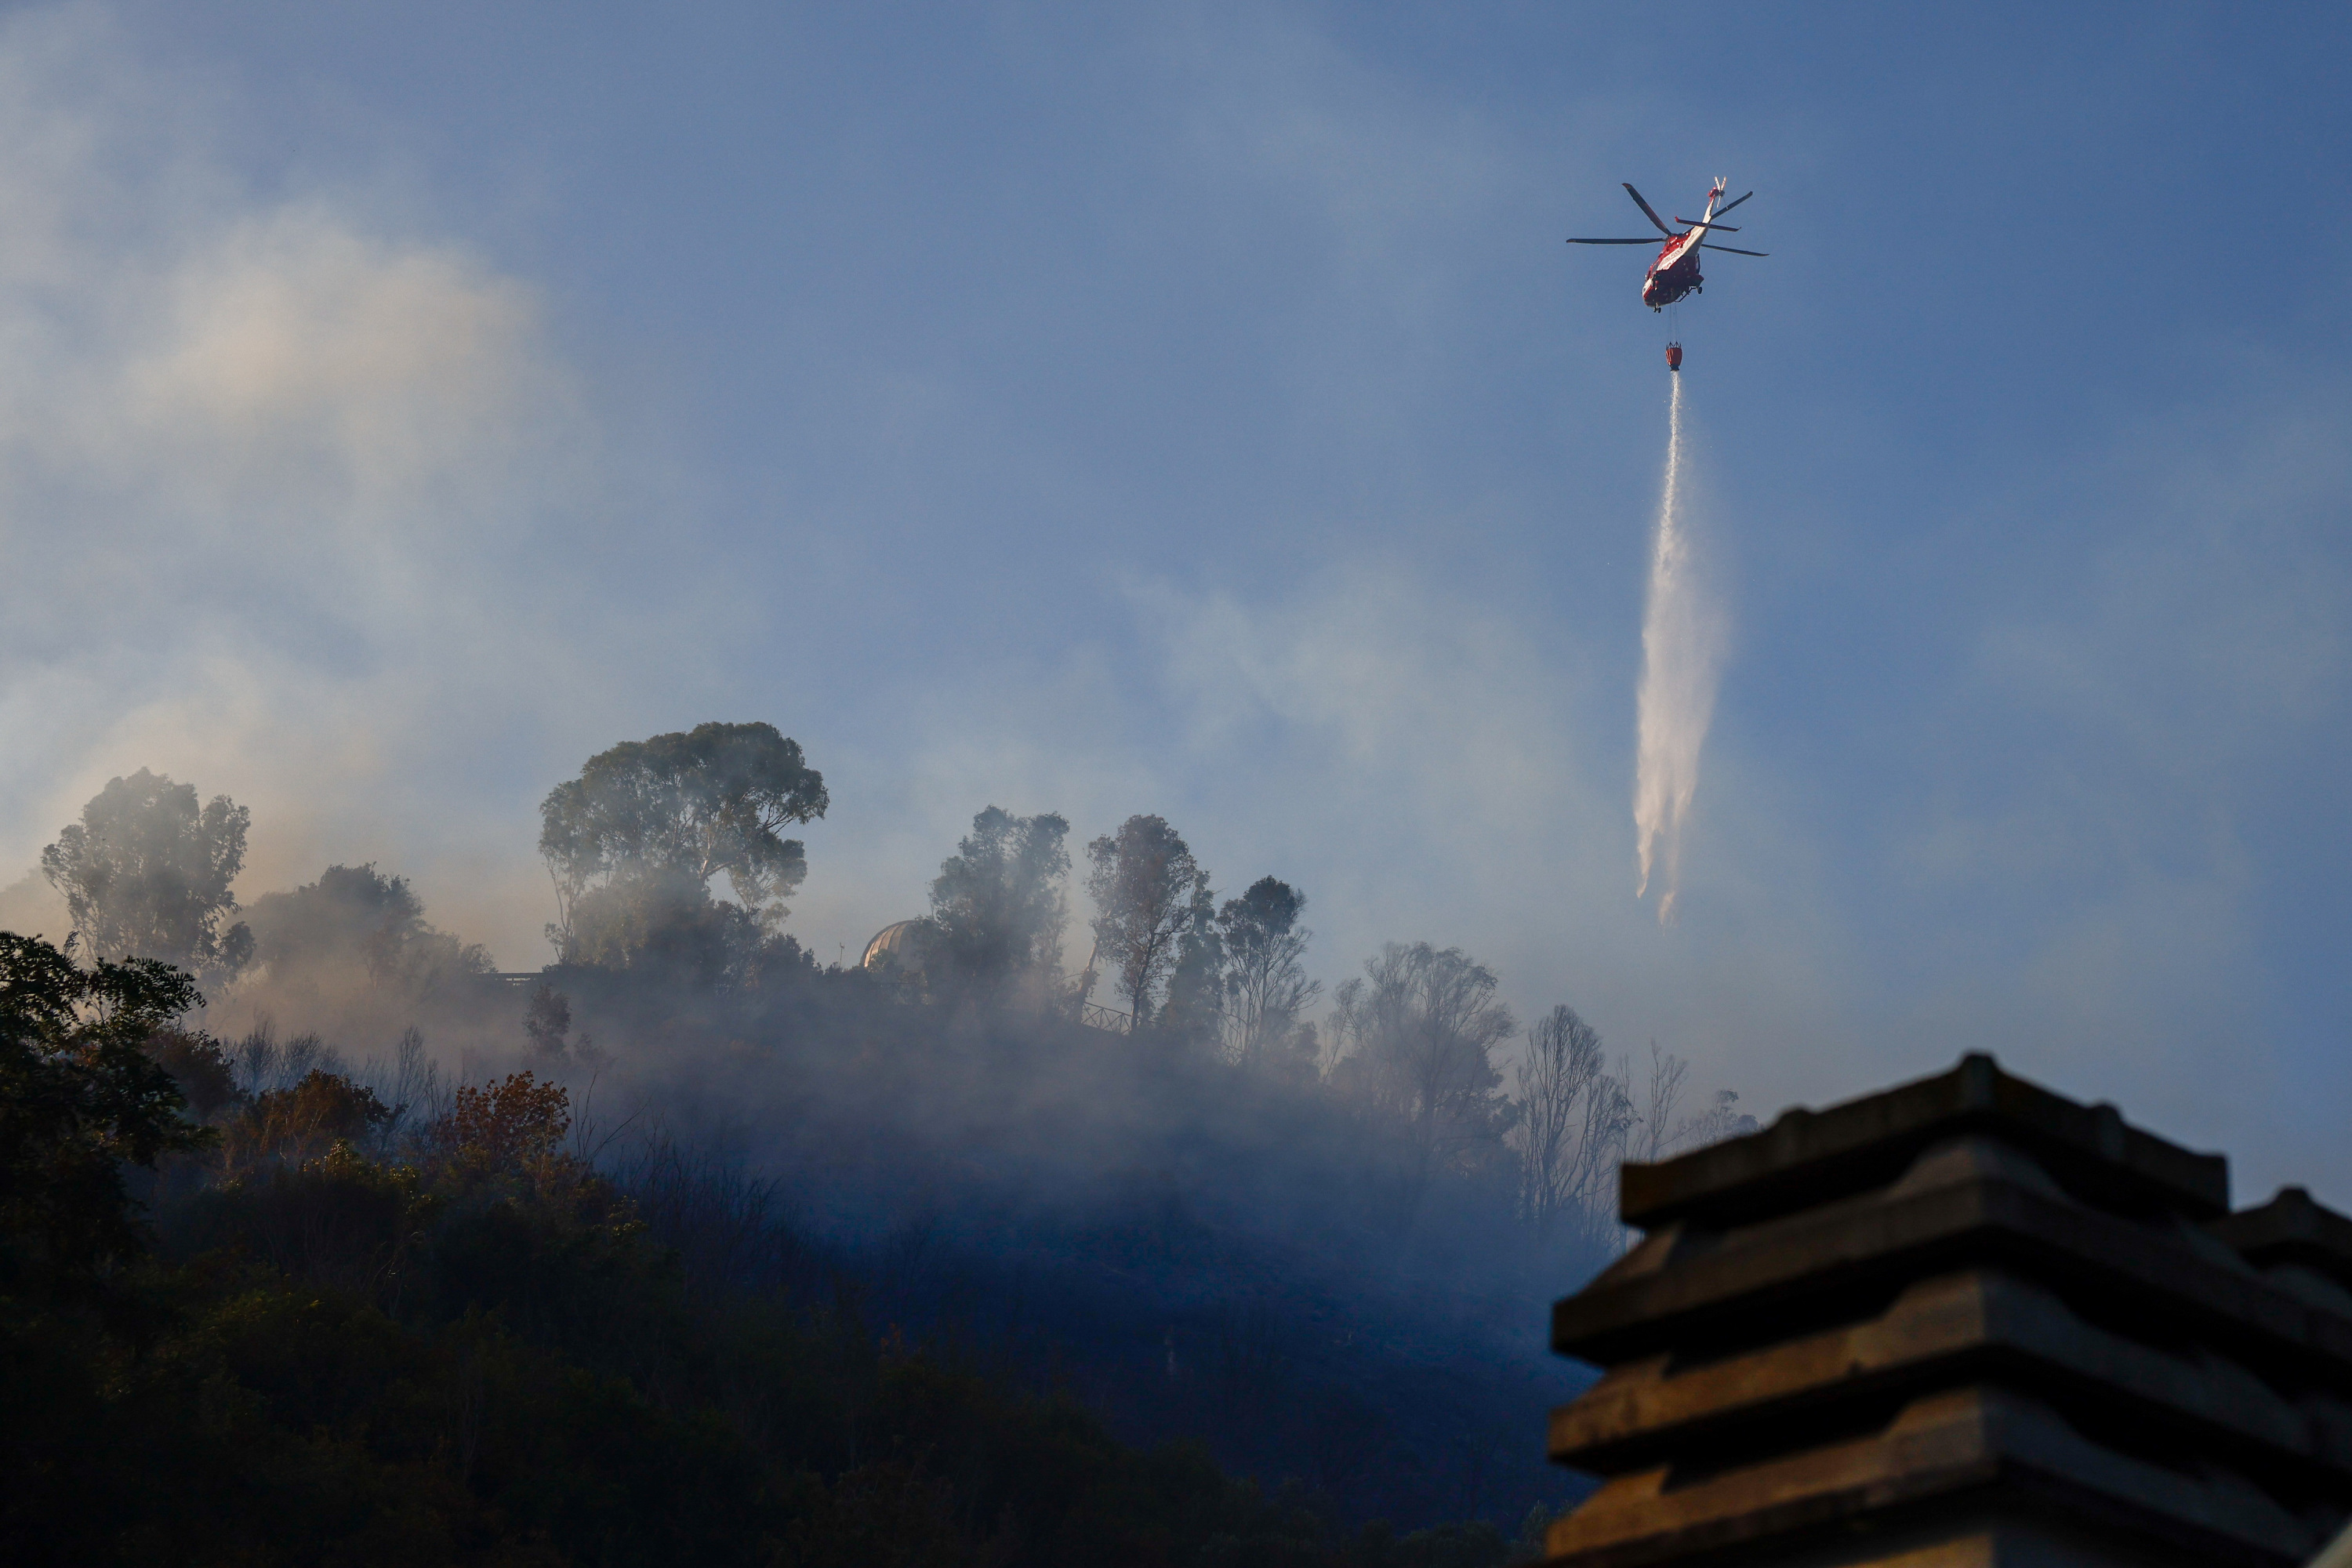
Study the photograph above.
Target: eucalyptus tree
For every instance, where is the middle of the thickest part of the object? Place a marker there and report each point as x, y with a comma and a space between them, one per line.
356, 921
1574, 1121
1267, 989
1416, 1033
1149, 895
997, 906
633, 842
146, 873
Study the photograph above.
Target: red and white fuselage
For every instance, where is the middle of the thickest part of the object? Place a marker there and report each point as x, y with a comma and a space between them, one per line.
1676, 271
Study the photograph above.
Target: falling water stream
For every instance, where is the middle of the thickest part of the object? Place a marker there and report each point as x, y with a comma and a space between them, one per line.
1682, 648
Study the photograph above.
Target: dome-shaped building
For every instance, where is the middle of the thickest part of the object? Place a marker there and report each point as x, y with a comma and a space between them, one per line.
897, 948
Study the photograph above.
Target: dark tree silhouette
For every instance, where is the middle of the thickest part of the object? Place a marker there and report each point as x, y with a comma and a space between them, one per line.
79, 1099
547, 1021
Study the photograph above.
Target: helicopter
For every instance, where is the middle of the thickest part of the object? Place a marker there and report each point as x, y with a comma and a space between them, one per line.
1675, 272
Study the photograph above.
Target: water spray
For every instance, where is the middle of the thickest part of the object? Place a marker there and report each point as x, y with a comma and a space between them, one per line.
1681, 645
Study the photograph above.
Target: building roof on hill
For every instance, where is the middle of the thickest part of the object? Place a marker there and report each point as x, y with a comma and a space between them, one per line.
890, 942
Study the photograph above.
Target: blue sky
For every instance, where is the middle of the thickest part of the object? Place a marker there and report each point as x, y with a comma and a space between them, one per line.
1194, 410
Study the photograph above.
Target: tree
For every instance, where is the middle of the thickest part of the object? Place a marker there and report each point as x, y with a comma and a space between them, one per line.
547, 1021
1656, 1130
305, 1120
633, 842
1149, 894
1572, 1125
1417, 1031
514, 1121
79, 1098
997, 905
1194, 1009
199, 1067
1659, 1133
1267, 989
1722, 1119
146, 872
356, 917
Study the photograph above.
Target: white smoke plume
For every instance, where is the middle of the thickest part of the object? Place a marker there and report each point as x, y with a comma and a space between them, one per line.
1682, 657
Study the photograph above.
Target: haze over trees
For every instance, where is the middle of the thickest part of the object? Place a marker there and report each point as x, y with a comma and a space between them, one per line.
1149, 896
146, 873
1416, 1035
1268, 992
997, 905
1572, 1123
1319, 1244
432, 1332
357, 922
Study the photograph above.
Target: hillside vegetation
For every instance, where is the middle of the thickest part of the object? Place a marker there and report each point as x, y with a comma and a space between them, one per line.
687, 1248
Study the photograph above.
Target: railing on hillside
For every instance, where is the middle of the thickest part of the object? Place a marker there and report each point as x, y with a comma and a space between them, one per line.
1119, 1023
910, 986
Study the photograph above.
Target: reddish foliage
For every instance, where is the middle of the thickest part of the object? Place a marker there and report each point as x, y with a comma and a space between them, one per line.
511, 1123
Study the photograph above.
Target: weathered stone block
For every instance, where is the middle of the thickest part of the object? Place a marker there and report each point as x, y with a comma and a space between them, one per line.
1964, 1321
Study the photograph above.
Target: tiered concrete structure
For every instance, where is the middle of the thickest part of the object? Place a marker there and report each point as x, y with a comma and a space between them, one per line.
1966, 1321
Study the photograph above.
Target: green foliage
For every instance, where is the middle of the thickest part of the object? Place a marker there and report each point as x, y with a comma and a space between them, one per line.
664, 923
547, 1021
341, 1221
1194, 1008
78, 1098
635, 839
146, 871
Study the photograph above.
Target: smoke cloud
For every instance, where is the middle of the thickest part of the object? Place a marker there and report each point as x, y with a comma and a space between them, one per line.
293, 503
1682, 659
326, 484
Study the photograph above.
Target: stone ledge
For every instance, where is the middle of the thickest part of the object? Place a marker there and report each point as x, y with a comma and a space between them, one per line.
1805, 1156
2291, 1230
1983, 1445
1939, 1332
1663, 1295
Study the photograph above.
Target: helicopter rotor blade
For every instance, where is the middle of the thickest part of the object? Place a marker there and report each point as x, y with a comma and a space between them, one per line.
1645, 239
1733, 248
1702, 223
1646, 211
1729, 205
